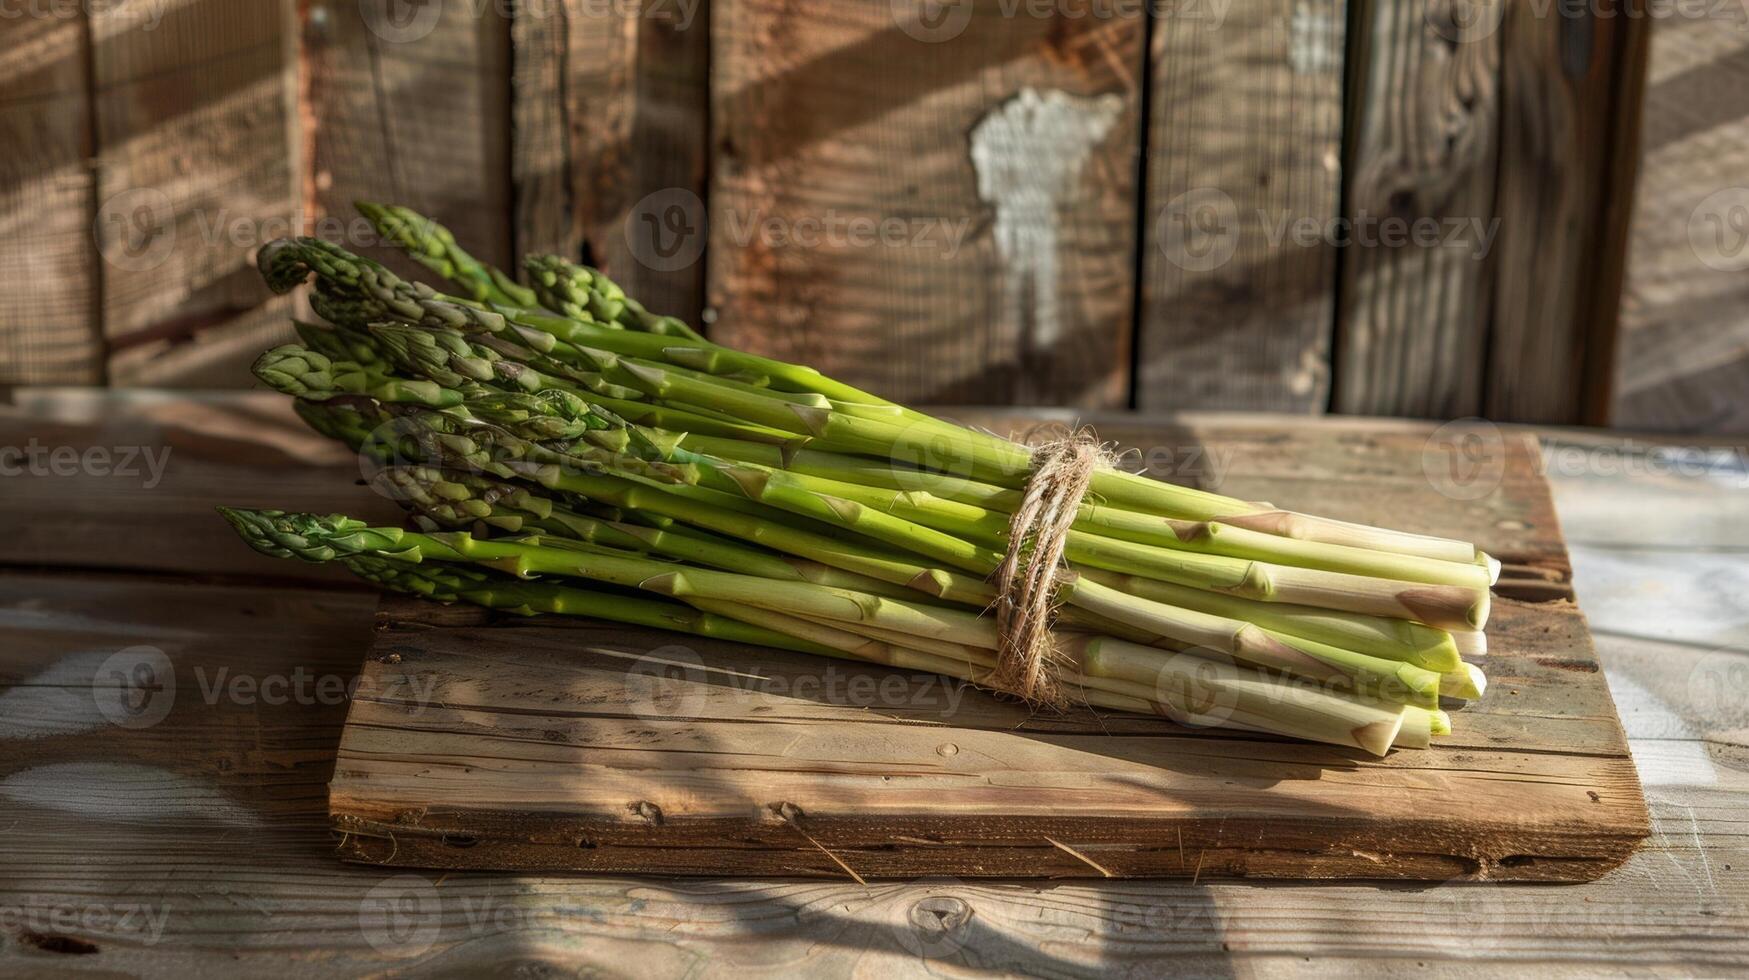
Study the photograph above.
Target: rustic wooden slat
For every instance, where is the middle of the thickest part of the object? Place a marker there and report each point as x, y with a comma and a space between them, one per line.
49, 330
935, 209
1423, 123
571, 746
1682, 364
235, 848
1568, 87
409, 103
612, 134
1244, 146
196, 169
135, 488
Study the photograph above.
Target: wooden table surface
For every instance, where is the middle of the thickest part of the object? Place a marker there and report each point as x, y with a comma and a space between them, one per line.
185, 832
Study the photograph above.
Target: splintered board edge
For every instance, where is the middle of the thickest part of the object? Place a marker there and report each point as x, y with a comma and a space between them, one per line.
482, 741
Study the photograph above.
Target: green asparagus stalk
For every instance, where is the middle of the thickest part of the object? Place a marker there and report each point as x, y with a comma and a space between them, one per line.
448, 583
854, 422
458, 501
323, 539
1197, 690
582, 293
434, 246
1127, 677
903, 516
768, 454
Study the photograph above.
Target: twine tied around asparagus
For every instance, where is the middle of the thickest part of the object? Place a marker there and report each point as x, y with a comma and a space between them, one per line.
1027, 659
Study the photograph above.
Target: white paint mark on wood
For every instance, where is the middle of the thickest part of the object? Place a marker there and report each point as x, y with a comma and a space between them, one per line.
1029, 153
122, 793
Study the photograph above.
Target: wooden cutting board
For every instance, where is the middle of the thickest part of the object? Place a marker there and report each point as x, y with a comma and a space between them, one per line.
484, 741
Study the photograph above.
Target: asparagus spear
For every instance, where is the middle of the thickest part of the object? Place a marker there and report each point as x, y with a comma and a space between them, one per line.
853, 422
1112, 674
434, 246
582, 293
740, 444
448, 583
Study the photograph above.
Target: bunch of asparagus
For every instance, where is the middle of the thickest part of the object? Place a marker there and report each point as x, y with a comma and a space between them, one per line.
563, 450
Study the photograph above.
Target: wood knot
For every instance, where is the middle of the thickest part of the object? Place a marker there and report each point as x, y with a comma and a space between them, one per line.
939, 918
651, 813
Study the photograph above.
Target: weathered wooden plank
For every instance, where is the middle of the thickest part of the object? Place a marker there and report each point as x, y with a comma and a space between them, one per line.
612, 134
935, 209
409, 103
1682, 364
267, 898
1423, 127
1244, 181
49, 331
196, 169
113, 482
577, 747
1569, 87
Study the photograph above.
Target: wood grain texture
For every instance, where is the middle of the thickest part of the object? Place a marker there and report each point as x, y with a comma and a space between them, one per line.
137, 492
269, 898
612, 134
1423, 125
1567, 74
196, 170
49, 331
1245, 144
409, 103
569, 746
890, 204
1683, 364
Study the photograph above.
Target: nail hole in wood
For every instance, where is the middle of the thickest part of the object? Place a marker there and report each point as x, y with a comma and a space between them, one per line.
57, 944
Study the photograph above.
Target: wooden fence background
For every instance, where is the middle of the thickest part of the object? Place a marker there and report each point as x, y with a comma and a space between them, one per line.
1084, 202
